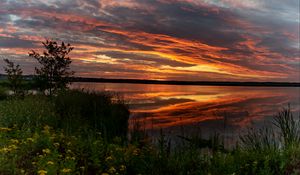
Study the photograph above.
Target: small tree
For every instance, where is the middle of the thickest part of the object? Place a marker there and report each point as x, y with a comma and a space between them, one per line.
14, 76
54, 72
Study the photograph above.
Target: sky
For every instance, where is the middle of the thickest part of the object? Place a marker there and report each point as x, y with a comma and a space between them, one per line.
196, 40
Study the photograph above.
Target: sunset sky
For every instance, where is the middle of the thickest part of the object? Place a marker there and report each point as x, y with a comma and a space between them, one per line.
216, 40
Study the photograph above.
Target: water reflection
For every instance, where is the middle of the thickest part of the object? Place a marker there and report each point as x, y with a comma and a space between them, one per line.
210, 108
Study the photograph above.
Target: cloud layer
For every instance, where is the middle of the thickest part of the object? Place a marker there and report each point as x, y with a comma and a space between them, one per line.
255, 40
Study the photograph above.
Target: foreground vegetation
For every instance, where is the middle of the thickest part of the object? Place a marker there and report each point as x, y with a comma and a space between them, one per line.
77, 132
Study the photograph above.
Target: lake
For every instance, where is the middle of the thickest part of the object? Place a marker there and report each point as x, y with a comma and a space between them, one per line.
187, 110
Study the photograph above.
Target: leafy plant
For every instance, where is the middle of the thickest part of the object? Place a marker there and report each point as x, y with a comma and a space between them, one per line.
14, 76
54, 72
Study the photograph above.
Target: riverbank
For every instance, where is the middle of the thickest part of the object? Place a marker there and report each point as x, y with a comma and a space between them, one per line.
80, 132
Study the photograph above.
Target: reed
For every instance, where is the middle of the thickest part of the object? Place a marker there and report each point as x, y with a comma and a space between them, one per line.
289, 126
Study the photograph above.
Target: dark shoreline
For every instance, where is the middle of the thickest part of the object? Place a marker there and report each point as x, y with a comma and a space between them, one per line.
202, 83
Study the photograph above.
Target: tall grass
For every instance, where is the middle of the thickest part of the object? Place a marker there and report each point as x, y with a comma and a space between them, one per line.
30, 112
72, 111
289, 126
284, 132
100, 111
263, 139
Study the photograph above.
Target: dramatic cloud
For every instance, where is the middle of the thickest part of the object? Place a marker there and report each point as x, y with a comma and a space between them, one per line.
234, 40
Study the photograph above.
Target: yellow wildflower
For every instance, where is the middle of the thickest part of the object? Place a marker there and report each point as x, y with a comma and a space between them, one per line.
136, 152
66, 170
30, 139
5, 129
12, 147
119, 149
46, 151
112, 170
108, 158
50, 163
33, 163
42, 172
46, 129
22, 171
122, 168
5, 150
14, 141
56, 144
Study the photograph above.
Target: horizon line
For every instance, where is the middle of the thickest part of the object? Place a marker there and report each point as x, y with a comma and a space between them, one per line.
179, 82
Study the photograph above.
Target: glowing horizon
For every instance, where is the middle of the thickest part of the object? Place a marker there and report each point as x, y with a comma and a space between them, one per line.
161, 39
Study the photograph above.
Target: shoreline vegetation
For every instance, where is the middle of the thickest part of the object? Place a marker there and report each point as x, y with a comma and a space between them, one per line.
57, 130
81, 132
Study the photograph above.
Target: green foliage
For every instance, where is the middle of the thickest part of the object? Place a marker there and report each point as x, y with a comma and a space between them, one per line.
14, 76
54, 72
69, 110
101, 112
32, 111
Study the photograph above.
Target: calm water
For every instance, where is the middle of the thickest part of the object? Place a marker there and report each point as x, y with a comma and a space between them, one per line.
207, 109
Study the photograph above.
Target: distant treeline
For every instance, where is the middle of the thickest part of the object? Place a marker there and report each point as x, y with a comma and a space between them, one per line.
173, 82
170, 82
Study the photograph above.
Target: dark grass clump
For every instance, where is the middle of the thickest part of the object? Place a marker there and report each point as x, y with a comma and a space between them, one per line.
3, 93
284, 133
100, 111
260, 140
289, 127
